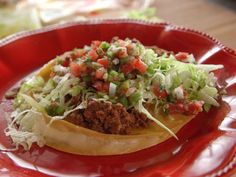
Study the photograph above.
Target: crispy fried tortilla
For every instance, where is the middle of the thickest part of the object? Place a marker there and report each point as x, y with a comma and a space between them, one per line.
70, 138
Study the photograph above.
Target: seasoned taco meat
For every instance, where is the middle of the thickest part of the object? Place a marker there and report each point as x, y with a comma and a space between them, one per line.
108, 118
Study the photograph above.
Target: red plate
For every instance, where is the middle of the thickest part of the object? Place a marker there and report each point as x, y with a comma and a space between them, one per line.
207, 145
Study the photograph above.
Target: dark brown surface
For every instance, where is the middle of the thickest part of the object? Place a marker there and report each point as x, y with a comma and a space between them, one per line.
215, 17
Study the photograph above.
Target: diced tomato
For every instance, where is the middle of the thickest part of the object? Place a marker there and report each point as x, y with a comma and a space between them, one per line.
101, 86
83, 57
105, 87
80, 53
99, 74
181, 56
122, 53
95, 44
194, 107
127, 68
66, 63
104, 62
93, 55
176, 108
140, 65
77, 69
162, 94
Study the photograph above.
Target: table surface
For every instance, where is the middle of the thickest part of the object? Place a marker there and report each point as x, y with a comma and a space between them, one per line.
215, 17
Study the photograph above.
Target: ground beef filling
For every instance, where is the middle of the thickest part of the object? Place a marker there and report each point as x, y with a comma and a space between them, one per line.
102, 116
108, 118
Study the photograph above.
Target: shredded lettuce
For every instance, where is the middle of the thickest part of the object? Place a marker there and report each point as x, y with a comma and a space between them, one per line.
207, 95
30, 130
196, 79
142, 109
34, 104
208, 67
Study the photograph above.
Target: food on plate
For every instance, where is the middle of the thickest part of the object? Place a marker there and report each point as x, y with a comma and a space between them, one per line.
111, 98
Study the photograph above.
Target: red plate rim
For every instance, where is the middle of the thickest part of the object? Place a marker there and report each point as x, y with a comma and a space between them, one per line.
23, 34
9, 39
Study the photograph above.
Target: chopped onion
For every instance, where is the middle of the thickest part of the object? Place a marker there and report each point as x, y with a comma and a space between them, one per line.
61, 69
178, 93
112, 89
116, 61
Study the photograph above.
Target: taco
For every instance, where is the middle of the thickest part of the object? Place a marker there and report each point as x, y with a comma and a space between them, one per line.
111, 98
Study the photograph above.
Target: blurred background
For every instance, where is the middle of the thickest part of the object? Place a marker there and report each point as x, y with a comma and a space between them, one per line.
215, 17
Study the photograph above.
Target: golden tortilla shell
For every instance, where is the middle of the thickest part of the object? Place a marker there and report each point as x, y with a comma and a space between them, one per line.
67, 137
